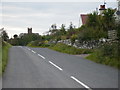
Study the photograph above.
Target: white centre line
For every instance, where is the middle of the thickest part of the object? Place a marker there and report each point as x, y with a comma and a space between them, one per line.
55, 66
20, 46
28, 49
33, 51
41, 56
81, 83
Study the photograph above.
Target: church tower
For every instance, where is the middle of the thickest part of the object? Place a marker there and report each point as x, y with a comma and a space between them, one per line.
29, 30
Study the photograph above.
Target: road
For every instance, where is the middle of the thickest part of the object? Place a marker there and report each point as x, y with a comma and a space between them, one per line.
44, 68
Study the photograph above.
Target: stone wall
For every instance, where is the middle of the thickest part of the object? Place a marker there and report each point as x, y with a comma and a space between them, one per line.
84, 44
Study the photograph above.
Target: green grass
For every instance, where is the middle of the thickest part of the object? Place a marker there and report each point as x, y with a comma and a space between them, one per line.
70, 49
41, 46
38, 44
107, 54
100, 56
4, 56
63, 48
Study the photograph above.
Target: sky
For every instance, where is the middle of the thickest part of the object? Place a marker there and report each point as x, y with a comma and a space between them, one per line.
17, 16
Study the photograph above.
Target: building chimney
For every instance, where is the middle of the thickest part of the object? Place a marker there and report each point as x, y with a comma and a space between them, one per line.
102, 8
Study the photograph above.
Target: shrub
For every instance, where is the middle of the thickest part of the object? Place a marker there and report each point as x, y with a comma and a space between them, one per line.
4, 51
37, 43
107, 54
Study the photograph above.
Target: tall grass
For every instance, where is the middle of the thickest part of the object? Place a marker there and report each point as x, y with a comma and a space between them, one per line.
70, 49
107, 54
4, 56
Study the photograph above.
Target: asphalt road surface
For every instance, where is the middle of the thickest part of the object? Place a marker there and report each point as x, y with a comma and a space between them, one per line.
44, 68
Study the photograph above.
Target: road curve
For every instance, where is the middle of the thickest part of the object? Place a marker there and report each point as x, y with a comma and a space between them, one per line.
45, 68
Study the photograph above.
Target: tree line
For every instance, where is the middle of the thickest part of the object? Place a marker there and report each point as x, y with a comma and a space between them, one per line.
96, 27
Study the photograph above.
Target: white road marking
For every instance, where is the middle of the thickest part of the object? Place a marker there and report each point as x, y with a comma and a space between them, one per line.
41, 56
81, 83
28, 49
55, 66
33, 51
62, 70
20, 46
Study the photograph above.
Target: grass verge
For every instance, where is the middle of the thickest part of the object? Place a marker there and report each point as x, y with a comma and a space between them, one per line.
4, 58
70, 49
60, 47
107, 55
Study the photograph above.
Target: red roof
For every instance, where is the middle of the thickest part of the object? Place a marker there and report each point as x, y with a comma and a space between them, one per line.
84, 18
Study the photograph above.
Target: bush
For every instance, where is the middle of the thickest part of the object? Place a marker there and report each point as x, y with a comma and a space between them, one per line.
107, 54
38, 44
5, 49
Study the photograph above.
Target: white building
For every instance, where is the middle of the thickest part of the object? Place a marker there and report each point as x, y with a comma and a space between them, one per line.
102, 9
117, 13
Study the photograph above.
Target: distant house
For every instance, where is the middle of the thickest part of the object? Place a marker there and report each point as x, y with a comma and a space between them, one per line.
117, 13
29, 32
84, 18
102, 9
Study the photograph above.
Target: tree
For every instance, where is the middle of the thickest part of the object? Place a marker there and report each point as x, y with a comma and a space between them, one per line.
4, 35
15, 36
71, 30
109, 19
24, 40
70, 26
53, 29
118, 31
14, 41
93, 20
62, 29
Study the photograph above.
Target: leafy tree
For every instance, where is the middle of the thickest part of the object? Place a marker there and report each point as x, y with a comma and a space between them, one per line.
5, 36
118, 31
53, 29
71, 26
93, 20
62, 29
71, 30
109, 19
91, 34
14, 41
28, 38
15, 36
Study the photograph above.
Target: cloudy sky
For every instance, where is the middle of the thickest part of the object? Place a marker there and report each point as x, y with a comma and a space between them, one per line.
17, 16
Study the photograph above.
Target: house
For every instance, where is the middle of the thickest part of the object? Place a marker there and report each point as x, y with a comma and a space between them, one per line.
102, 9
84, 17
117, 13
